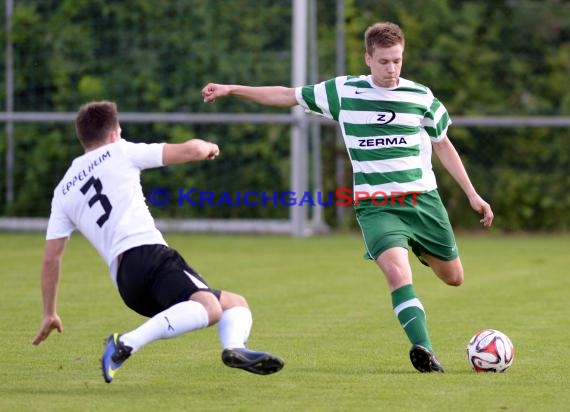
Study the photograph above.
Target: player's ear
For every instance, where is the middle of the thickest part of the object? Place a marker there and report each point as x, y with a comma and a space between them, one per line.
367, 58
116, 135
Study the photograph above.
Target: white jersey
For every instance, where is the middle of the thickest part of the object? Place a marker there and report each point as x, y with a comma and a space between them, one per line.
101, 196
387, 131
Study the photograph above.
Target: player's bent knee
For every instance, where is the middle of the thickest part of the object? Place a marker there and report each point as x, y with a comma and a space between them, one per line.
214, 314
455, 280
229, 300
453, 277
449, 272
211, 304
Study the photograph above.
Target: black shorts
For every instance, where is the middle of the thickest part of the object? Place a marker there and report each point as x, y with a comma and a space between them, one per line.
152, 278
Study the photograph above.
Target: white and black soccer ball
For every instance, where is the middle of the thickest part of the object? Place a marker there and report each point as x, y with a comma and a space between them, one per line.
490, 350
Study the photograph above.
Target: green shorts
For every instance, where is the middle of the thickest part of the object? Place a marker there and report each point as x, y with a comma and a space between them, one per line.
421, 223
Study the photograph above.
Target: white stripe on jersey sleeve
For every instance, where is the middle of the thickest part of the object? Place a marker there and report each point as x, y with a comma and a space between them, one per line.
321, 99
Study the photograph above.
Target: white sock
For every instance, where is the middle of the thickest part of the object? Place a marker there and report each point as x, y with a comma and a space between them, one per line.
234, 327
174, 321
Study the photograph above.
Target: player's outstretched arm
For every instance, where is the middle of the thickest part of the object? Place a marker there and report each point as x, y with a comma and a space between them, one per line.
189, 151
267, 95
50, 281
450, 159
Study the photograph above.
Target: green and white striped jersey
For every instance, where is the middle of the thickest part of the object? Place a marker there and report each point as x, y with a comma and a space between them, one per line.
387, 132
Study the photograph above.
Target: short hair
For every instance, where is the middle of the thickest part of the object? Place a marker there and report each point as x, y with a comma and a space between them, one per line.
94, 122
384, 34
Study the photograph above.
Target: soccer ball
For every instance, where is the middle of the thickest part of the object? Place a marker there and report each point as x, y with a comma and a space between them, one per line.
490, 350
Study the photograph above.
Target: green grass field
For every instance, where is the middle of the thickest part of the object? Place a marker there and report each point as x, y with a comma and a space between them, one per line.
316, 303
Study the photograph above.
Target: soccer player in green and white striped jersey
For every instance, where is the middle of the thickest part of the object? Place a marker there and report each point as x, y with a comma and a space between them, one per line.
390, 126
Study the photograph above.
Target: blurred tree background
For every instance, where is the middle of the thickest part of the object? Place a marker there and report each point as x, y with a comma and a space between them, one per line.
509, 57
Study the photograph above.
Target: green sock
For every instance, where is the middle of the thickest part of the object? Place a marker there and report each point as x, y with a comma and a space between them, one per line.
411, 315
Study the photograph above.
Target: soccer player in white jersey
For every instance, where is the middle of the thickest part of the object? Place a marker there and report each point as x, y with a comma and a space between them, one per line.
390, 126
101, 196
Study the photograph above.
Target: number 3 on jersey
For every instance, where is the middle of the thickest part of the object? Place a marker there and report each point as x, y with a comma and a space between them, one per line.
98, 197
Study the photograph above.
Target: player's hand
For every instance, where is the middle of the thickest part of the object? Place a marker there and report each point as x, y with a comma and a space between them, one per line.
214, 151
48, 324
483, 208
212, 90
